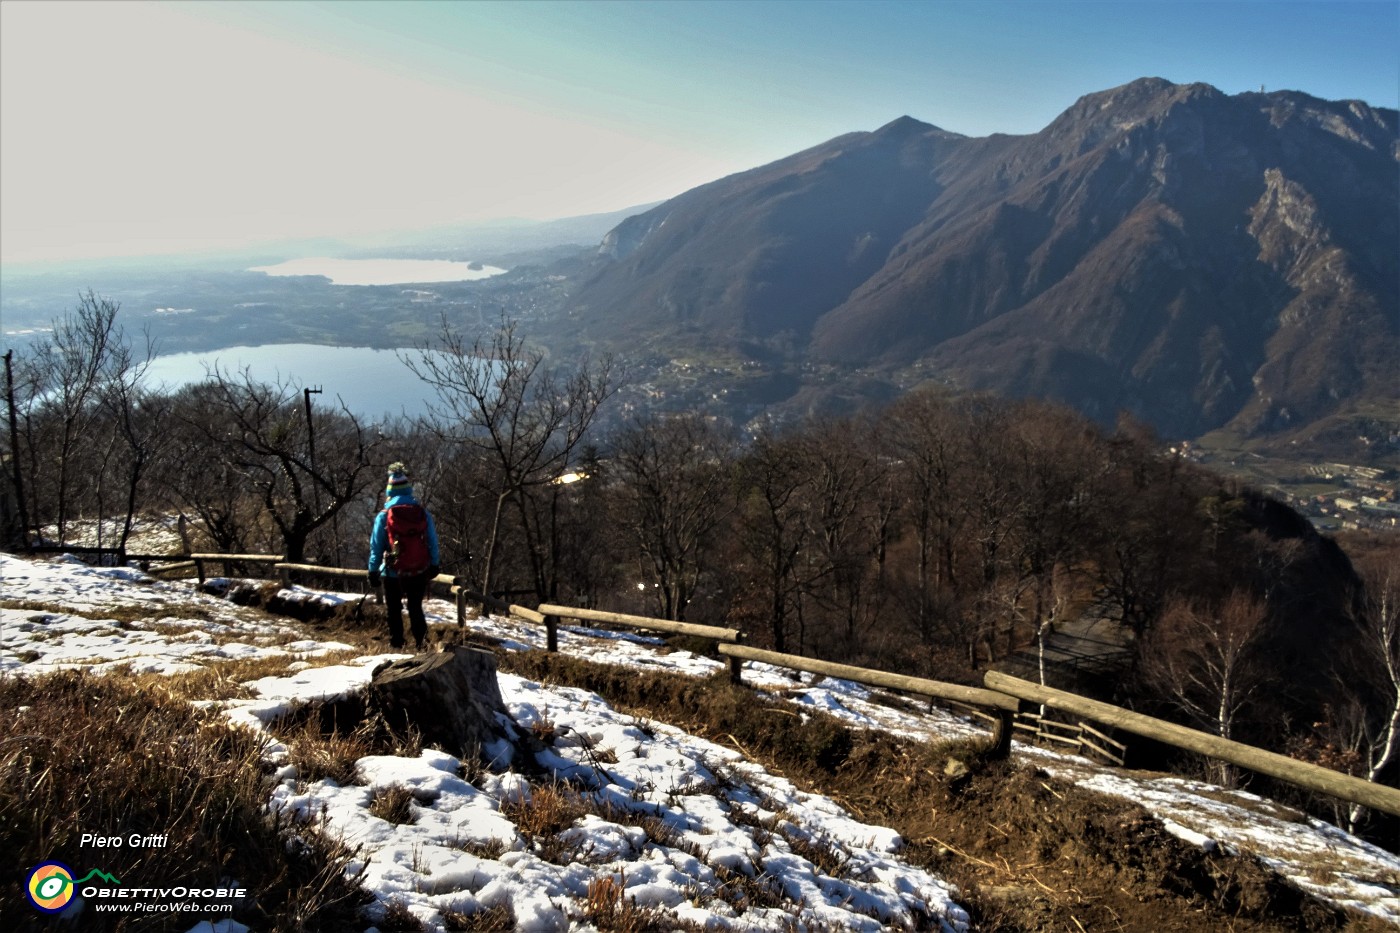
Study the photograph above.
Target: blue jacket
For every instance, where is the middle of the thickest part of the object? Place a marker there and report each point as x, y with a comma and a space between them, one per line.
379, 537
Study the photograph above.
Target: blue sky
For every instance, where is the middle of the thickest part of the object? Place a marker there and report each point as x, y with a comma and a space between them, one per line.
135, 128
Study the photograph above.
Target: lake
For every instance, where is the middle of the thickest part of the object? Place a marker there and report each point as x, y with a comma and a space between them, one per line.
384, 271
372, 383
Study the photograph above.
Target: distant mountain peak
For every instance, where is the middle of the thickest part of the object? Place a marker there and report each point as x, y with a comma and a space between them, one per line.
905, 124
906, 127
1201, 260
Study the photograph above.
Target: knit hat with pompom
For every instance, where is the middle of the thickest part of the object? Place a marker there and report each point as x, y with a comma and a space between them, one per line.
398, 481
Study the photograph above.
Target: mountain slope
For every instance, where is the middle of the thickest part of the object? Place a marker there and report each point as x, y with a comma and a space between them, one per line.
689, 830
1197, 259
767, 251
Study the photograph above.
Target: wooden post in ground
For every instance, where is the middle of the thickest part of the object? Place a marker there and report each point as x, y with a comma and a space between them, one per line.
551, 633
1001, 734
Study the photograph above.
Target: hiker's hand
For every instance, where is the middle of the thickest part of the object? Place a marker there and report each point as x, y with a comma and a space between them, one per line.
433, 571
374, 579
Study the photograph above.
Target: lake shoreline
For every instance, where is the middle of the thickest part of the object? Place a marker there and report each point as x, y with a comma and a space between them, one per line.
380, 272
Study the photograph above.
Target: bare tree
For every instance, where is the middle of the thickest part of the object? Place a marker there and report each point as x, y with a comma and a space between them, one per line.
201, 478
923, 435
1205, 659
262, 437
673, 481
139, 422
16, 503
845, 517
990, 495
1374, 680
773, 534
1058, 475
497, 395
1145, 528
69, 372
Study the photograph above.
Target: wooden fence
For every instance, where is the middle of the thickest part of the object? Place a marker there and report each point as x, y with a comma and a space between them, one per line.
1303, 774
1004, 696
1083, 738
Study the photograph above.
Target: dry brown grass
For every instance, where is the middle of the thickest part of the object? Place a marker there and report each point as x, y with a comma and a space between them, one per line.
548, 810
491, 849
318, 756
544, 729
398, 918
100, 755
218, 679
119, 613
326, 739
498, 919
394, 804
608, 908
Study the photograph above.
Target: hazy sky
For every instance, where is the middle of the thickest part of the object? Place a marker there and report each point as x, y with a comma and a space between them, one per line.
140, 128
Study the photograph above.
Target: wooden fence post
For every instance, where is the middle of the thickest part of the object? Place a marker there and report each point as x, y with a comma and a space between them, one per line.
1001, 734
461, 606
551, 630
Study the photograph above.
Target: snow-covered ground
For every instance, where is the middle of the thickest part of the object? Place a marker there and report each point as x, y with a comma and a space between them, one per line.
674, 819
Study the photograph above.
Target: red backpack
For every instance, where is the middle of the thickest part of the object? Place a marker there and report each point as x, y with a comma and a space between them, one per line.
407, 525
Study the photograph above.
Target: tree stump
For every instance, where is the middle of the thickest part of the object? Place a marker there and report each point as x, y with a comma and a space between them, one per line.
451, 697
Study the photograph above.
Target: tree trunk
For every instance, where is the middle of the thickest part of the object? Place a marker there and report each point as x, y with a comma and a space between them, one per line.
451, 697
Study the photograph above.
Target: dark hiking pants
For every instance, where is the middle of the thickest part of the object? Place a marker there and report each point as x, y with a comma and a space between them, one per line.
397, 591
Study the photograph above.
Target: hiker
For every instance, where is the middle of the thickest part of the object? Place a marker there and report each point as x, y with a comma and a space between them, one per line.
403, 552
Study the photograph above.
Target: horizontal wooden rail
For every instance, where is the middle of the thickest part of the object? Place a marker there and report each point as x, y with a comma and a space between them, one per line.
1301, 773
250, 558
975, 696
644, 622
179, 566
1005, 706
967, 709
445, 579
463, 593
324, 571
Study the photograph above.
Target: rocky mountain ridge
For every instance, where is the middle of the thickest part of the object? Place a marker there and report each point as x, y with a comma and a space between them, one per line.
1199, 260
